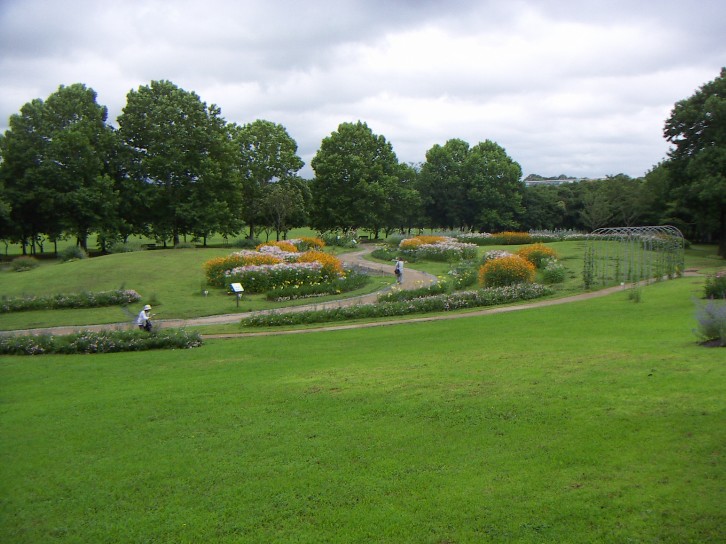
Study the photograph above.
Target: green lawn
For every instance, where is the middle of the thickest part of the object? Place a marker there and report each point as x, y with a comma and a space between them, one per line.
594, 422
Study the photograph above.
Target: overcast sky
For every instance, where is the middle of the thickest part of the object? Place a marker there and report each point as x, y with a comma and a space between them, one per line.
566, 87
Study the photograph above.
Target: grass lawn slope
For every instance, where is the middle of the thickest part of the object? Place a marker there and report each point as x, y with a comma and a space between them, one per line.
593, 422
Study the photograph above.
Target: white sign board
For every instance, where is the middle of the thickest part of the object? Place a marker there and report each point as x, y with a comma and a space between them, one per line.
237, 287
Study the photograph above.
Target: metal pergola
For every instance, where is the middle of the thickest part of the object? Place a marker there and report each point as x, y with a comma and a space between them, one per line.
633, 254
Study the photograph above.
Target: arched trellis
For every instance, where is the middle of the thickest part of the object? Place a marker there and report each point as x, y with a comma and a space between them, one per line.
633, 254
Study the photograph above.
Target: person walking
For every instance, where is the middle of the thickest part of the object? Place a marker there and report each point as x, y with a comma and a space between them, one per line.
144, 319
399, 270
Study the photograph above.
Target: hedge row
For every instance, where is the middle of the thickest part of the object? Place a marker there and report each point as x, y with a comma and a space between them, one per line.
110, 341
119, 297
437, 303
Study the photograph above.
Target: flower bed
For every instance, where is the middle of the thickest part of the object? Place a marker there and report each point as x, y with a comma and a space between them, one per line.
98, 342
273, 266
437, 248
438, 303
118, 297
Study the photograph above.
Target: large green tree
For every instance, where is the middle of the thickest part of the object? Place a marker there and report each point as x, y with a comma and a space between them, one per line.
697, 161
476, 187
55, 166
183, 149
356, 174
267, 154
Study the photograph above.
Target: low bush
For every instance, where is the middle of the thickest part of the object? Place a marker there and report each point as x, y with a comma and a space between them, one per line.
438, 303
128, 247
24, 263
399, 295
119, 297
715, 286
711, 318
537, 254
87, 342
72, 253
506, 271
340, 239
464, 274
554, 272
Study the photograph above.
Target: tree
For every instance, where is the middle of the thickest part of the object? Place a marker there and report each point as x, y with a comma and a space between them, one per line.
267, 153
441, 184
55, 158
494, 189
285, 204
183, 149
356, 172
476, 188
697, 162
597, 207
627, 199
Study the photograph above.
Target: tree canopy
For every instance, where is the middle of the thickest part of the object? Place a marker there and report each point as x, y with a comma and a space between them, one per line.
697, 162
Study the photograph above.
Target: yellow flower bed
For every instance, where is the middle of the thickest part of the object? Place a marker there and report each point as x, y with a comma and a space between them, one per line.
513, 238
506, 271
537, 254
416, 241
284, 245
331, 264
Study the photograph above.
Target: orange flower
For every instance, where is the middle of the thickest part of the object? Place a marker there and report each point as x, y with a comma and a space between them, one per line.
506, 271
537, 254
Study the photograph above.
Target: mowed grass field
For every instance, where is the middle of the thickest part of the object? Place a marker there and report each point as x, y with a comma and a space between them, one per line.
596, 421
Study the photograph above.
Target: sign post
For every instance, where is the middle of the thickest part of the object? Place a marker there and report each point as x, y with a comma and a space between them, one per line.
237, 289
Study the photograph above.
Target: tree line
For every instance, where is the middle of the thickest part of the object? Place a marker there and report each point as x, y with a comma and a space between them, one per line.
175, 169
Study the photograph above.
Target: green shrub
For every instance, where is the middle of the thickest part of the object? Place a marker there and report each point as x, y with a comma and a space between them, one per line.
340, 239
109, 341
711, 319
715, 286
506, 271
72, 253
464, 274
24, 263
120, 247
247, 243
553, 272
399, 295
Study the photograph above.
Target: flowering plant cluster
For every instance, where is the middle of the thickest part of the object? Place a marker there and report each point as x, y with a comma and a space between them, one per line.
284, 245
353, 280
307, 242
495, 254
418, 241
537, 254
119, 297
98, 342
506, 271
437, 248
273, 267
437, 303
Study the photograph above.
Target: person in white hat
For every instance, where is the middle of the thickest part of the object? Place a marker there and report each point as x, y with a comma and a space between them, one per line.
144, 319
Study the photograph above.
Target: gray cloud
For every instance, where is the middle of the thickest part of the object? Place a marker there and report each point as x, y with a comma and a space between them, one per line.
566, 87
